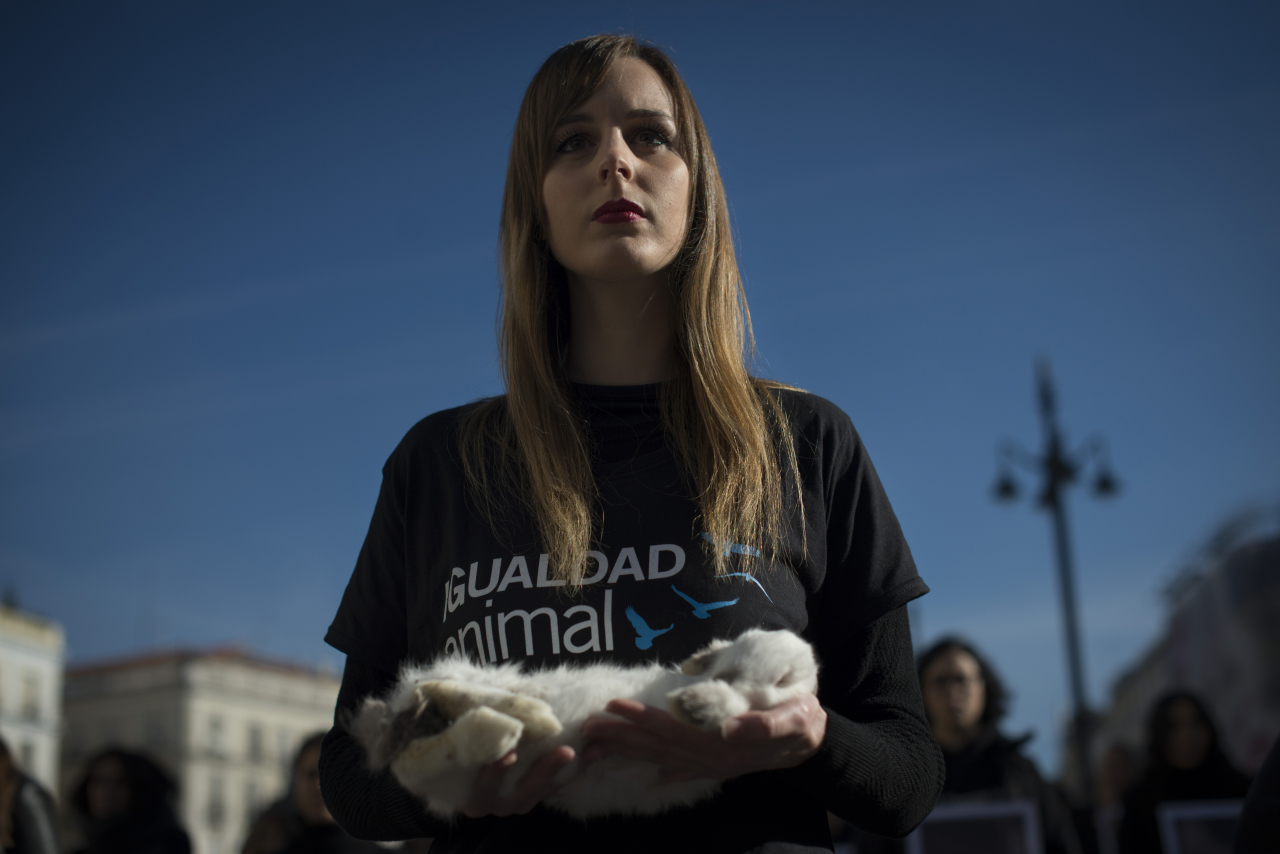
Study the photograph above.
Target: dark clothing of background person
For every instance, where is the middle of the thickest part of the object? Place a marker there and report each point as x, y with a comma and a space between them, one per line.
329, 839
1139, 832
30, 826
992, 766
843, 589
280, 828
1212, 779
156, 833
1259, 828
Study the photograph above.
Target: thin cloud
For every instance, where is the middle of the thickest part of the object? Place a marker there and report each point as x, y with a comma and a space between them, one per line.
165, 312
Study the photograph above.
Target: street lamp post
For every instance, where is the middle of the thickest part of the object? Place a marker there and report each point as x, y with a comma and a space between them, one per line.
1059, 469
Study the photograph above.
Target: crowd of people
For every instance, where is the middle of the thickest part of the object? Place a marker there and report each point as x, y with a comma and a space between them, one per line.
965, 700
124, 804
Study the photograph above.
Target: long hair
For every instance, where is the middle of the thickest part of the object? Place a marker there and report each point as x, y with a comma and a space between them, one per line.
1160, 726
725, 427
996, 703
150, 786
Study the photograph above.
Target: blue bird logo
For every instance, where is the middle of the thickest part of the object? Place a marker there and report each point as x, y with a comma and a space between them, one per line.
644, 634
752, 580
729, 548
699, 609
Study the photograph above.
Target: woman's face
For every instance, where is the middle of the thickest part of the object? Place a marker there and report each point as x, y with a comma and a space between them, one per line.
954, 693
1189, 736
306, 788
616, 190
108, 790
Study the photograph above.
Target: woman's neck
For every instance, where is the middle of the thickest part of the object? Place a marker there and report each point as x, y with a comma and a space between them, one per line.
621, 332
954, 739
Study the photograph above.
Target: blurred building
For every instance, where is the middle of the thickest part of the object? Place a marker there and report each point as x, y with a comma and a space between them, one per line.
225, 723
31, 654
1222, 640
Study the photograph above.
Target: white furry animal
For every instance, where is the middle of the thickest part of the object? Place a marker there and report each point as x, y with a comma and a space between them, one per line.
442, 722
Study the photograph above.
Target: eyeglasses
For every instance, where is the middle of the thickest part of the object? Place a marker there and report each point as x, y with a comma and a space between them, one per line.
955, 680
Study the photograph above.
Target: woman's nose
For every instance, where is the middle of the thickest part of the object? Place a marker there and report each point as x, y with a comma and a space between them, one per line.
615, 158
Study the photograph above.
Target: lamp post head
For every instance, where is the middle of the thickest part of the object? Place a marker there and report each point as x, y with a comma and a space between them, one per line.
1005, 489
1105, 484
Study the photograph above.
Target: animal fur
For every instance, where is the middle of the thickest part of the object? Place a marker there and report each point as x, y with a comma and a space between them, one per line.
442, 722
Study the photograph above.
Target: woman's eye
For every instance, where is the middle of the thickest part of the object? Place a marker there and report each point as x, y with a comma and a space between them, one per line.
651, 137
573, 143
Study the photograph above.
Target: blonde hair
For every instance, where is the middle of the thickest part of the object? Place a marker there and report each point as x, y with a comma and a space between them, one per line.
725, 427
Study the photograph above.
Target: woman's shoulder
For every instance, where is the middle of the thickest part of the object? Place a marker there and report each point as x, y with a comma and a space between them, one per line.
444, 423
819, 424
809, 412
439, 431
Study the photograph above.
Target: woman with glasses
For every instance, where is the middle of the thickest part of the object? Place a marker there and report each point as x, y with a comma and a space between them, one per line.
965, 700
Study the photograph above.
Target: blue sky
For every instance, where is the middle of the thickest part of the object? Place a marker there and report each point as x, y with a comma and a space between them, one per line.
243, 247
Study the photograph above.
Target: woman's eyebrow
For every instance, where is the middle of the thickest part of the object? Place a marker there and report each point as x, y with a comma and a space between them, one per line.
643, 113
640, 112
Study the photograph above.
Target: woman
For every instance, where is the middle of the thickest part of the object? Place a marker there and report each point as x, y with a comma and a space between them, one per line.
26, 811
965, 700
633, 495
124, 805
1184, 763
300, 822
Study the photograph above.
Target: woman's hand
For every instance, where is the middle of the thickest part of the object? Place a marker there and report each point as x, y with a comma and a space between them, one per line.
781, 737
537, 783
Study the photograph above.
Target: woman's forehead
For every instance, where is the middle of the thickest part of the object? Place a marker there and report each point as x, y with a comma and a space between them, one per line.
631, 85
955, 659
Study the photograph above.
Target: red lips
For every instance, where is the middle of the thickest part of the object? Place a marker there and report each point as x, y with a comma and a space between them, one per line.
618, 211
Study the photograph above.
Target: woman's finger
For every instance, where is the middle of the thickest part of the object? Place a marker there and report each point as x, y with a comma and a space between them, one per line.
539, 781
659, 723
649, 717
484, 791
630, 740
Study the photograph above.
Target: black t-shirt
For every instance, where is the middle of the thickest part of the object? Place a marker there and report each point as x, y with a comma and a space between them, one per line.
433, 577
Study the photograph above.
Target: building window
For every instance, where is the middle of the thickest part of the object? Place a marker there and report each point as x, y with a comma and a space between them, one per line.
284, 746
154, 735
217, 736
216, 808
31, 696
255, 743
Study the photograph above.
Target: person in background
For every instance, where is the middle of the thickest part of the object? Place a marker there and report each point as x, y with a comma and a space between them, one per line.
124, 805
1259, 829
1184, 763
26, 811
300, 822
965, 700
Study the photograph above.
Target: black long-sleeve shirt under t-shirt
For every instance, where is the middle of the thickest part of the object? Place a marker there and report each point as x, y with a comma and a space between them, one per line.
433, 578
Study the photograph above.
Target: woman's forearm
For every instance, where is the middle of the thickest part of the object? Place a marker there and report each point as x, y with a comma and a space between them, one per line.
366, 804
879, 767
